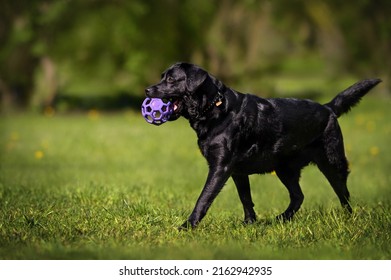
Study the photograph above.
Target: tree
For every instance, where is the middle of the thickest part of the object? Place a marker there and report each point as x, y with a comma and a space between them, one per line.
97, 46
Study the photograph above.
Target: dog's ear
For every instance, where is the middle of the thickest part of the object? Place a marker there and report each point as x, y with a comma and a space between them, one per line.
195, 76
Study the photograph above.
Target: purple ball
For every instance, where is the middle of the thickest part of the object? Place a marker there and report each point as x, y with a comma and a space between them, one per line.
156, 111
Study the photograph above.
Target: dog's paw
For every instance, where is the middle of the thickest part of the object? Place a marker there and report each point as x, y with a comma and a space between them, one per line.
285, 217
186, 226
249, 221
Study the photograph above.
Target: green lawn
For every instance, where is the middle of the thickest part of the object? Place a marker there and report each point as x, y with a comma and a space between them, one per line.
111, 186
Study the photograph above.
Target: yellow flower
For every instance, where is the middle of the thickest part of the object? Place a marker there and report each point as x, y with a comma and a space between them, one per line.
93, 114
49, 111
374, 151
38, 154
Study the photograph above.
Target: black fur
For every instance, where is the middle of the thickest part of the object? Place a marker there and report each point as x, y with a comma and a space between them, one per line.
242, 134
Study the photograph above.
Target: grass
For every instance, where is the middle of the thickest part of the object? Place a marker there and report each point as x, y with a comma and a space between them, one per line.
110, 186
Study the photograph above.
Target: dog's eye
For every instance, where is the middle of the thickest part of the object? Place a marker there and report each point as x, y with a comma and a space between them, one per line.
170, 80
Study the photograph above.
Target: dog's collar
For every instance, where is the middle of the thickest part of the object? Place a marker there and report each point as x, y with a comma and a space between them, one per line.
217, 101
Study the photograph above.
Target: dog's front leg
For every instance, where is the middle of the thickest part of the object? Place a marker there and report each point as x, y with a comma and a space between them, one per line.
217, 177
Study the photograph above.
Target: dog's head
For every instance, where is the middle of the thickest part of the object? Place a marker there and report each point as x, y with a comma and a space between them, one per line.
187, 86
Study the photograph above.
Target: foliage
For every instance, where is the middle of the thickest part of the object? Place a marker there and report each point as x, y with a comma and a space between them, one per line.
94, 47
111, 186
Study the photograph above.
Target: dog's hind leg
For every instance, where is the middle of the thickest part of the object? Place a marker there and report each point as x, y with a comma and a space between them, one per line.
243, 186
337, 176
290, 178
332, 162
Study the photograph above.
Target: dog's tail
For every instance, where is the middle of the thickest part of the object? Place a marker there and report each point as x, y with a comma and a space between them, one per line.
348, 98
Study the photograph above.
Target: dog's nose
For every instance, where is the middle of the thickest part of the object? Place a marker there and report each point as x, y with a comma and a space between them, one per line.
148, 91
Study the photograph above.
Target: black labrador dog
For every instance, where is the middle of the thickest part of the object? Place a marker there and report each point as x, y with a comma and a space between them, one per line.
242, 134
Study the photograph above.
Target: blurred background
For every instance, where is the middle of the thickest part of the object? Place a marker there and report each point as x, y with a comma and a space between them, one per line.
83, 176
71, 55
